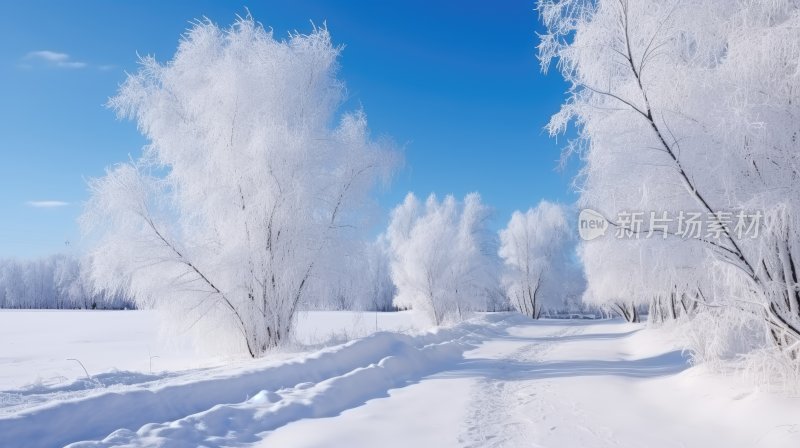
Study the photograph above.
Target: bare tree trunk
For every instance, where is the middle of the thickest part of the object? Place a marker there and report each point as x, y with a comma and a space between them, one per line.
672, 305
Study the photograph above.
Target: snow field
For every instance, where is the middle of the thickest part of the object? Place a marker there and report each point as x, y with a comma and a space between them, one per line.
311, 385
498, 380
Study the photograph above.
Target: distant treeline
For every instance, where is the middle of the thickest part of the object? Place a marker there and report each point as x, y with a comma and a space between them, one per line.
57, 281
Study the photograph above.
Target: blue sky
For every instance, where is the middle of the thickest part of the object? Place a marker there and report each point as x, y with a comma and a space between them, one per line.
455, 84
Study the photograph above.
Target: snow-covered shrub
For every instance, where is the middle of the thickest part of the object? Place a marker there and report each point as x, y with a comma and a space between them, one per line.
718, 336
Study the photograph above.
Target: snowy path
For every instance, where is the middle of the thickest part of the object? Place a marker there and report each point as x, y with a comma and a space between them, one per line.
498, 381
562, 384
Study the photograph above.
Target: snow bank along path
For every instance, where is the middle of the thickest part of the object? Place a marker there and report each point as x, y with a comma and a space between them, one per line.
314, 385
517, 383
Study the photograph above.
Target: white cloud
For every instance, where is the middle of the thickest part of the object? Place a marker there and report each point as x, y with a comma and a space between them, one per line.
47, 204
53, 59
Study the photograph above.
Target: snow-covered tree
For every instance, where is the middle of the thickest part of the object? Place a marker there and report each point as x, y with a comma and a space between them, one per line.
359, 280
380, 290
536, 247
688, 107
251, 181
443, 256
57, 281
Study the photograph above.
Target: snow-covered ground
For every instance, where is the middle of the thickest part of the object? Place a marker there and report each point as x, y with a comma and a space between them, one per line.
36, 345
498, 380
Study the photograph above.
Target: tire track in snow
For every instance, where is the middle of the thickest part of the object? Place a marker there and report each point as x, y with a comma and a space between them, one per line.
499, 413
